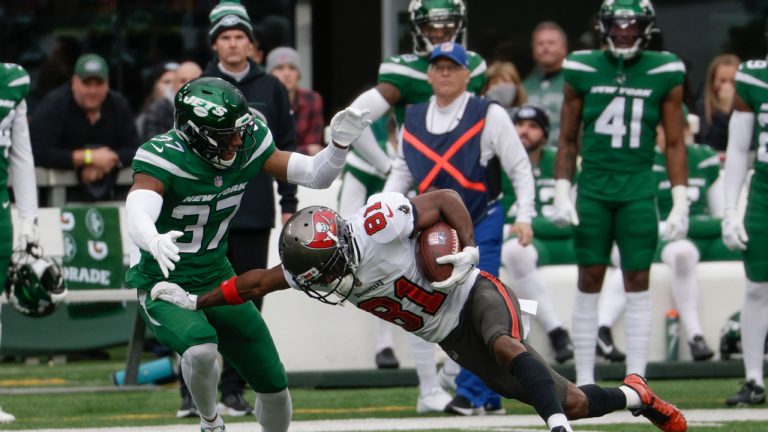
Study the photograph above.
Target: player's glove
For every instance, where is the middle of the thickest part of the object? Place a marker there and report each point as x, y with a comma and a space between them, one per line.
174, 294
676, 225
163, 248
463, 263
28, 237
734, 234
347, 125
564, 213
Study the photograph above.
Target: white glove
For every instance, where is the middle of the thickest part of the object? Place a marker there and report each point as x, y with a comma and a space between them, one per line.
676, 225
347, 125
734, 234
463, 263
564, 213
28, 233
174, 294
163, 248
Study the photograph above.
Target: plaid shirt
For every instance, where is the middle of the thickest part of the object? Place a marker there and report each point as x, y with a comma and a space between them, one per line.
308, 114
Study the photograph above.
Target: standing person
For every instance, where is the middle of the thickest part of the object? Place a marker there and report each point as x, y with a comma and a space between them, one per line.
402, 81
472, 315
307, 104
747, 233
504, 86
158, 116
617, 96
83, 125
232, 40
544, 85
552, 245
16, 163
716, 104
462, 142
187, 187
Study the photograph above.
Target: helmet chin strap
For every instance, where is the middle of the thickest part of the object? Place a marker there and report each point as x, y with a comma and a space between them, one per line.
625, 53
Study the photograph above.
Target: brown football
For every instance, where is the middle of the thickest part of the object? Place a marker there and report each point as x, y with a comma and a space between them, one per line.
438, 240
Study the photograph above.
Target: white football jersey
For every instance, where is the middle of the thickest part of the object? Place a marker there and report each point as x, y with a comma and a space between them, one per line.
392, 287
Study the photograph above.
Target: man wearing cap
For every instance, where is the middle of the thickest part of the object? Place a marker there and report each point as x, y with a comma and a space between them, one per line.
307, 105
82, 125
552, 245
456, 141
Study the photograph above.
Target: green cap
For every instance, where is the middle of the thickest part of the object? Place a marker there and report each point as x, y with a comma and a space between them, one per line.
229, 15
92, 66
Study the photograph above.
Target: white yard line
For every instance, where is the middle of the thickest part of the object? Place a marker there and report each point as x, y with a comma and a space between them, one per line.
467, 423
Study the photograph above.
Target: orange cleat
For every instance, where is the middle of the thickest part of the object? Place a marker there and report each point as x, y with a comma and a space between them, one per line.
661, 413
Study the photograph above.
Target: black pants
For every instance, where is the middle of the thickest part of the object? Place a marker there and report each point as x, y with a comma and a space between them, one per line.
248, 249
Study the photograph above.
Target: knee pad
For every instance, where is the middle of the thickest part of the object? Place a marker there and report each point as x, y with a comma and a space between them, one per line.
201, 356
519, 260
681, 255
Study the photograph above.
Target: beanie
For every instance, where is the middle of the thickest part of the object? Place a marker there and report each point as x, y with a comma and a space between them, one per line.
229, 15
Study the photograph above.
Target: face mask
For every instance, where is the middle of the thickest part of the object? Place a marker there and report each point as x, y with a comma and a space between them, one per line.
503, 93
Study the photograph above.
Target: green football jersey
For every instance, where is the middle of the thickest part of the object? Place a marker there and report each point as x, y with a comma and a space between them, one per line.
621, 108
752, 87
200, 201
408, 72
547, 91
544, 181
703, 170
14, 87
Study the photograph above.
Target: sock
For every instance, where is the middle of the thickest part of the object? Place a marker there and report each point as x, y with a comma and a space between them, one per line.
423, 353
451, 367
612, 299
637, 329
753, 312
383, 332
201, 373
682, 256
532, 287
274, 410
538, 385
556, 420
584, 329
603, 400
633, 399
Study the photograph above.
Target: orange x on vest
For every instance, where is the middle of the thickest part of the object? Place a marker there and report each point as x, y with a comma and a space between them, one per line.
441, 162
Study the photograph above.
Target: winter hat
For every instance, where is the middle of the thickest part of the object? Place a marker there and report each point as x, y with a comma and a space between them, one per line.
228, 15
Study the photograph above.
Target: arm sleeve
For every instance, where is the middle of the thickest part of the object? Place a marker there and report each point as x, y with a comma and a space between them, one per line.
500, 134
366, 144
400, 178
22, 165
143, 207
47, 136
318, 171
285, 138
740, 131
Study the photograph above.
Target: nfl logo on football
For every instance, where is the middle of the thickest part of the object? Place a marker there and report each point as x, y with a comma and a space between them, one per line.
218, 181
436, 238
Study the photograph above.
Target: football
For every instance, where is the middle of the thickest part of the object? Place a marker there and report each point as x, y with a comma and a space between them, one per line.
438, 240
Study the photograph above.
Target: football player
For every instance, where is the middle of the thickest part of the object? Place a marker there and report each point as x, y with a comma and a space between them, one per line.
187, 187
402, 81
617, 96
368, 261
748, 233
17, 163
552, 244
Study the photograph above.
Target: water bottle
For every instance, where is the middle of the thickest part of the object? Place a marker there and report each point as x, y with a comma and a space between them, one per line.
672, 334
149, 372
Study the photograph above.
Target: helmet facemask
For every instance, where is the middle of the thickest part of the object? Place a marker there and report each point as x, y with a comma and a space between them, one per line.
613, 20
213, 144
428, 17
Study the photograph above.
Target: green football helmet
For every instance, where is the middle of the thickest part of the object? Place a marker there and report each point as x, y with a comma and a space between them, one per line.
209, 112
448, 15
730, 337
33, 284
622, 14
316, 249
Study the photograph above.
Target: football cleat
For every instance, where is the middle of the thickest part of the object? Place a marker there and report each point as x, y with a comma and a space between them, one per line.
463, 406
234, 404
434, 400
6, 417
661, 413
494, 408
749, 394
561, 344
606, 348
187, 408
216, 425
386, 359
699, 349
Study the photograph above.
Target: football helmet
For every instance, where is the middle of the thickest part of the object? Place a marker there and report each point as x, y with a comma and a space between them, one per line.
450, 16
621, 14
34, 284
730, 337
209, 111
317, 250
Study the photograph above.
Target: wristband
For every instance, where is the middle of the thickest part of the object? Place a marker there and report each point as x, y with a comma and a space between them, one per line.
229, 291
87, 156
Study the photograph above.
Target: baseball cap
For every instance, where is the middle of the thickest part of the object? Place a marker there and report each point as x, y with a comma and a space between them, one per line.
533, 113
452, 51
229, 15
280, 56
92, 66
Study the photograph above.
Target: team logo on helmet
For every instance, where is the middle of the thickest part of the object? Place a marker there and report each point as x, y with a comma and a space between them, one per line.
325, 231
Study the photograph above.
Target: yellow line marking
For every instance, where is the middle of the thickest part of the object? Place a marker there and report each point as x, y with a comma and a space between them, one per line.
32, 382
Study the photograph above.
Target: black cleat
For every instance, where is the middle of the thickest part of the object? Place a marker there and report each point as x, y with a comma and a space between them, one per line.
235, 405
187, 408
385, 359
699, 349
606, 348
463, 406
749, 394
561, 344
559, 429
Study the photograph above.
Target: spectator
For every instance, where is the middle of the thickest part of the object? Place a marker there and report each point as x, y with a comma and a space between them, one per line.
307, 105
158, 116
544, 84
162, 76
504, 85
82, 126
715, 105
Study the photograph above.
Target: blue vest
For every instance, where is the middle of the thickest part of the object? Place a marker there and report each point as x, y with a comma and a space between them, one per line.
450, 160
